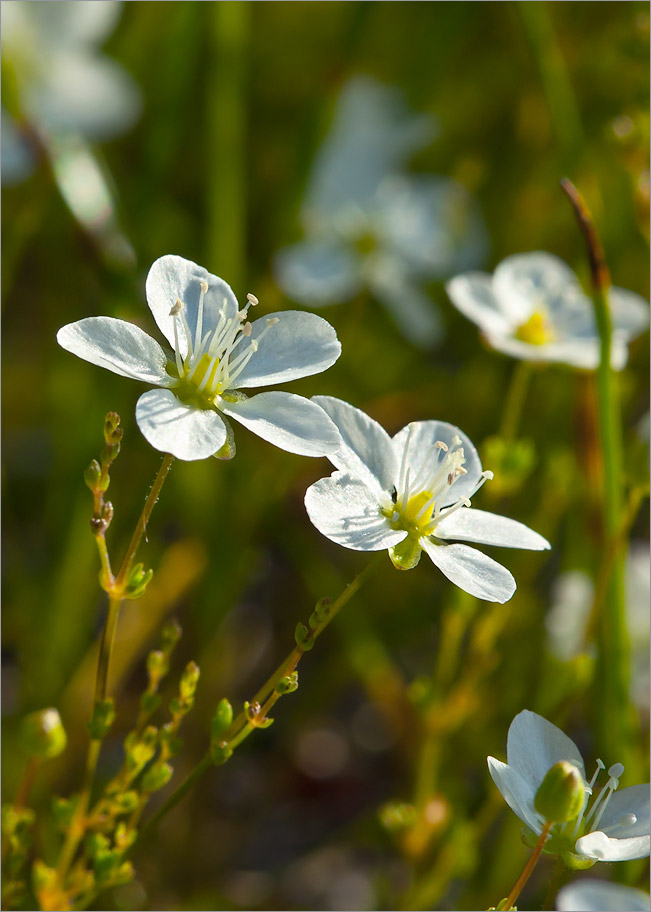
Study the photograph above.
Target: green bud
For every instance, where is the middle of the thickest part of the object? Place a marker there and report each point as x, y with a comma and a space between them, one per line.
156, 777
221, 721
112, 426
43, 878
42, 734
397, 815
561, 793
123, 875
149, 703
220, 752
503, 907
170, 636
303, 637
63, 810
139, 752
139, 579
124, 837
157, 664
96, 843
106, 864
93, 475
103, 718
126, 802
189, 680
288, 684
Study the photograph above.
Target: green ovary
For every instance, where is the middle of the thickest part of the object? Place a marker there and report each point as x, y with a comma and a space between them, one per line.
536, 330
188, 390
406, 554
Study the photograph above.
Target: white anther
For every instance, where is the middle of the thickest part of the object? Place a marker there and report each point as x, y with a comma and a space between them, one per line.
488, 475
616, 770
456, 440
177, 307
251, 298
204, 286
451, 478
270, 321
246, 329
461, 471
441, 445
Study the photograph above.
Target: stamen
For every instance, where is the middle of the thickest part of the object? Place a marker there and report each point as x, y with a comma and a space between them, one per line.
246, 329
588, 791
199, 327
441, 445
251, 298
616, 770
612, 787
176, 308
403, 467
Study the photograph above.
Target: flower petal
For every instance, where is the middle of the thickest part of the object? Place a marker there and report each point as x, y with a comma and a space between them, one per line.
172, 277
171, 426
118, 346
633, 800
318, 272
471, 571
489, 529
346, 511
472, 294
517, 793
420, 437
367, 452
603, 848
298, 345
534, 745
589, 895
630, 312
529, 282
290, 422
416, 315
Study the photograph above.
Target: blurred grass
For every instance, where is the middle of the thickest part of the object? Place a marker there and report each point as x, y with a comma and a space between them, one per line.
237, 99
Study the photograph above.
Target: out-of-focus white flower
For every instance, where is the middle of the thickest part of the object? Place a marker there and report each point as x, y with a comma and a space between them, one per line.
59, 81
368, 225
411, 493
591, 895
613, 827
216, 354
534, 308
568, 618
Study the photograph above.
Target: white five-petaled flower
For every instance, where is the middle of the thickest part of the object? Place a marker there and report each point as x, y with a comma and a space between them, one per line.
411, 493
216, 353
63, 84
590, 895
534, 308
369, 225
612, 825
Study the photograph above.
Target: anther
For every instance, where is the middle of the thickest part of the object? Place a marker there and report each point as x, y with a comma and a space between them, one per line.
456, 440
272, 320
177, 307
441, 445
251, 298
204, 286
616, 770
488, 475
246, 329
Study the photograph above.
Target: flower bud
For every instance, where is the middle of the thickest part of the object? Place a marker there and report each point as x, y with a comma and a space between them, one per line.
560, 795
156, 777
42, 734
303, 637
170, 636
189, 680
139, 579
103, 718
92, 475
221, 721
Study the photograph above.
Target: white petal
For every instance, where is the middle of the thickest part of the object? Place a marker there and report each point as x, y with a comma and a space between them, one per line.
589, 895
630, 312
173, 427
367, 452
118, 346
298, 345
290, 422
517, 793
582, 353
85, 93
472, 571
598, 845
472, 294
317, 272
416, 315
530, 282
631, 800
534, 745
347, 512
172, 277
489, 529
421, 437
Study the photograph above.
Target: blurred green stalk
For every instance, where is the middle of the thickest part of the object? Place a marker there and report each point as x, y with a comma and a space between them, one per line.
614, 716
226, 148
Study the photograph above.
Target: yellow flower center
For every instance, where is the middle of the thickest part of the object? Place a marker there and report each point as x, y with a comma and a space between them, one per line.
537, 330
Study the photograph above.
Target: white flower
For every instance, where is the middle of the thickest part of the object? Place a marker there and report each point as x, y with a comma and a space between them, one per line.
534, 308
614, 826
216, 353
591, 895
411, 493
367, 225
62, 83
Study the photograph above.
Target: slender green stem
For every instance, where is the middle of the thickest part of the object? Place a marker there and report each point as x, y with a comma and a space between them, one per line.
615, 720
510, 900
265, 699
141, 525
515, 399
555, 883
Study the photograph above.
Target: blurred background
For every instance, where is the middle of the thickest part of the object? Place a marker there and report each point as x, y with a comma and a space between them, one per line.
199, 129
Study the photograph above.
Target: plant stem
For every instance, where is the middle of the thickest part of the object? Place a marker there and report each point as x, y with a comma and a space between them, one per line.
141, 525
265, 698
616, 725
515, 399
78, 823
27, 782
555, 883
509, 902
